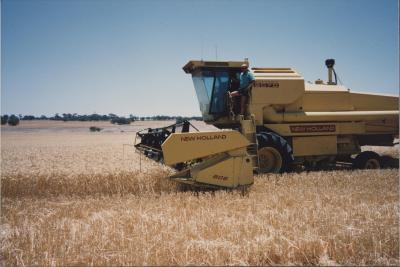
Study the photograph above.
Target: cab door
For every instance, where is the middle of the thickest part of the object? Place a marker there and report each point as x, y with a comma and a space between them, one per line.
218, 105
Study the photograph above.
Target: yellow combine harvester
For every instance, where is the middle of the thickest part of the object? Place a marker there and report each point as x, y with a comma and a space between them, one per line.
289, 123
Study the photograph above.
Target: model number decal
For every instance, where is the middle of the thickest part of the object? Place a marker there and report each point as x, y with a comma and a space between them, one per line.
312, 128
269, 84
220, 177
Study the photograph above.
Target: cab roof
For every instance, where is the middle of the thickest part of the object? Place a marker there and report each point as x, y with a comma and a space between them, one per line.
259, 73
194, 64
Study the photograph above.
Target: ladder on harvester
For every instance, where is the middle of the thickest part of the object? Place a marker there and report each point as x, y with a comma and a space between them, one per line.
248, 129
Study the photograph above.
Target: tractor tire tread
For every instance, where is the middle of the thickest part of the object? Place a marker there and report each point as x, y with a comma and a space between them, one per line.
272, 139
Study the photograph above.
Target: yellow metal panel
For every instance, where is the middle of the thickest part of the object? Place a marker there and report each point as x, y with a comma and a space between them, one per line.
368, 101
341, 115
271, 115
325, 88
180, 147
230, 172
275, 76
277, 91
315, 145
383, 126
220, 174
278, 69
326, 101
257, 111
300, 129
273, 71
243, 170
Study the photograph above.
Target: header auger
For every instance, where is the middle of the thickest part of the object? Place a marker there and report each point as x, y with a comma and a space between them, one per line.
287, 123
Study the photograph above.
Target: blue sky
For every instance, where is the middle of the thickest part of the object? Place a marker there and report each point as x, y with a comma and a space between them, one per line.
126, 57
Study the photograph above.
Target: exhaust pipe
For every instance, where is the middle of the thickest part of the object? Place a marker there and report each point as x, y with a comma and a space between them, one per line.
329, 64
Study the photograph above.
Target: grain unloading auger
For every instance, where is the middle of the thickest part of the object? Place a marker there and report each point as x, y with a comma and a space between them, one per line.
288, 123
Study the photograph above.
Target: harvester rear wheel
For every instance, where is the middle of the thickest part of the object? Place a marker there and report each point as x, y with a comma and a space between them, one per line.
388, 162
367, 160
274, 153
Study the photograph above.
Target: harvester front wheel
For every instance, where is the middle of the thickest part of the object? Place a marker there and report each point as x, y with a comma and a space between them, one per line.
274, 153
367, 160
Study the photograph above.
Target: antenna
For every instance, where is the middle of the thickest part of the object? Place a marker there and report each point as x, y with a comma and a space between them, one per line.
202, 48
216, 52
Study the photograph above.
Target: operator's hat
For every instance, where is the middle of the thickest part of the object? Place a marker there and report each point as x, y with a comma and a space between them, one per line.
244, 65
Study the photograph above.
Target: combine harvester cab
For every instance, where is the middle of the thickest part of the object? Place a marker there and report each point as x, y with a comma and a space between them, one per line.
288, 124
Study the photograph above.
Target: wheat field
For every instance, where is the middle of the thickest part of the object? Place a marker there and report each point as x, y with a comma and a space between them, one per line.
72, 197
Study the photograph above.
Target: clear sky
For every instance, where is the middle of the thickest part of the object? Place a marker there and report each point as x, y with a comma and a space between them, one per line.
126, 57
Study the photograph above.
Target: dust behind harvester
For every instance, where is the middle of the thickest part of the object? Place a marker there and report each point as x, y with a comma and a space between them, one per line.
287, 123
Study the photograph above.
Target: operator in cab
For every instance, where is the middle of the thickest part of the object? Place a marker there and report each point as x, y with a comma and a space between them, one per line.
246, 81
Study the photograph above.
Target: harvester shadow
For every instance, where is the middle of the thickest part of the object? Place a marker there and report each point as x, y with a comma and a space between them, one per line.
387, 162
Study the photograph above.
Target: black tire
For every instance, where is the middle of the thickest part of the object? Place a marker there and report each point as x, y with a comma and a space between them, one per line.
367, 160
388, 162
274, 142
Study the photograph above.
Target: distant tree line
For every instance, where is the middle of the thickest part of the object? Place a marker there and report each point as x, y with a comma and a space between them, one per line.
14, 119
11, 120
